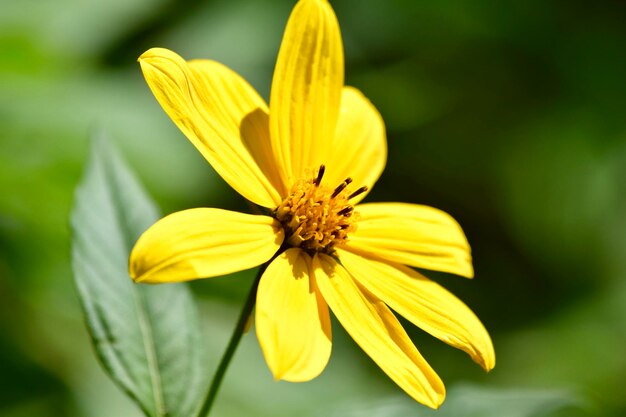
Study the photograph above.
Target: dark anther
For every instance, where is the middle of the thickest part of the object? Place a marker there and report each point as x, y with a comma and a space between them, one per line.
346, 211
357, 192
341, 187
320, 174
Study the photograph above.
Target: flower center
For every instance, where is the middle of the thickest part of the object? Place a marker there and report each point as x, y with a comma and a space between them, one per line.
317, 217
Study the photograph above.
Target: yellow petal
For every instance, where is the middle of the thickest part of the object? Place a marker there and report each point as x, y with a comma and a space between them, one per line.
411, 234
306, 89
203, 243
221, 115
360, 147
374, 327
425, 303
292, 320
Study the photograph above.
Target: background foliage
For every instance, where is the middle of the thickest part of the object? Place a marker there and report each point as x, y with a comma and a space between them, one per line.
510, 116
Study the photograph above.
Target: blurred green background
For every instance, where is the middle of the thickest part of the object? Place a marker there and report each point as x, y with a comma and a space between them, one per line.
511, 116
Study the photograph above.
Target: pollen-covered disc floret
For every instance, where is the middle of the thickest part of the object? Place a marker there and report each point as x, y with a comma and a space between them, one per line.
316, 217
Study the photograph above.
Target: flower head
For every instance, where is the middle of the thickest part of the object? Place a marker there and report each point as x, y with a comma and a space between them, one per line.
309, 159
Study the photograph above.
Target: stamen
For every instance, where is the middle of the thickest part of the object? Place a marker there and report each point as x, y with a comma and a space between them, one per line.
357, 192
316, 217
320, 174
341, 187
346, 211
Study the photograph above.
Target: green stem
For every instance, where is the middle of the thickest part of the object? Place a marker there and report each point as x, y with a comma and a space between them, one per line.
244, 316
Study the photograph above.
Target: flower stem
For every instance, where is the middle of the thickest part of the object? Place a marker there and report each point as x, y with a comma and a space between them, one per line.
244, 316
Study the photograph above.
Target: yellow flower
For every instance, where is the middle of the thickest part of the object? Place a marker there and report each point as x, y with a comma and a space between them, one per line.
309, 159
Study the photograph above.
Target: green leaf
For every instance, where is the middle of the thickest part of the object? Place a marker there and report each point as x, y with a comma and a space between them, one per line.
147, 337
470, 401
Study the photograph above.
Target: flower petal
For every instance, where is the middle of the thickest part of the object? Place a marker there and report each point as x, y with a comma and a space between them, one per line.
360, 147
292, 320
425, 303
411, 234
203, 243
221, 115
374, 327
306, 89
